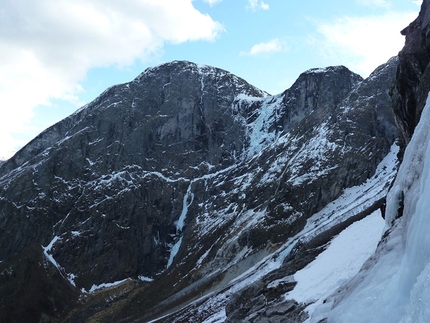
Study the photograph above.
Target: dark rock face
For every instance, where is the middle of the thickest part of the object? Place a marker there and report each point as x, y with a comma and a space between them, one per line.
189, 175
32, 289
180, 106
313, 92
413, 75
98, 179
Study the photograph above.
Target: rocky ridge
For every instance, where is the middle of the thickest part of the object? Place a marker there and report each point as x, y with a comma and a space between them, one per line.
178, 182
411, 89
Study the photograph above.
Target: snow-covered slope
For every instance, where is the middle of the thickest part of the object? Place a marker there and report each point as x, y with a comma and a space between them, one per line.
190, 193
339, 262
394, 285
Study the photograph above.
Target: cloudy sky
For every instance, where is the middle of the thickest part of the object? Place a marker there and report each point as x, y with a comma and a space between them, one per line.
57, 55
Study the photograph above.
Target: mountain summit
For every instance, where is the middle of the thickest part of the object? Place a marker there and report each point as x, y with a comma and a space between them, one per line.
189, 194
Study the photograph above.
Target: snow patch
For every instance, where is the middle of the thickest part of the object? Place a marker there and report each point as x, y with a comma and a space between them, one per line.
106, 285
71, 278
316, 70
260, 132
218, 317
145, 279
341, 261
47, 250
174, 251
187, 201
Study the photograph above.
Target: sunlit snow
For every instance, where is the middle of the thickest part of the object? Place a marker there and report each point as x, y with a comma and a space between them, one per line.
106, 285
339, 262
395, 288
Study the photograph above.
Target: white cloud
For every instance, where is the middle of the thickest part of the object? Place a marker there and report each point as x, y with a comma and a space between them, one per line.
374, 3
212, 2
256, 4
418, 2
272, 46
363, 43
46, 47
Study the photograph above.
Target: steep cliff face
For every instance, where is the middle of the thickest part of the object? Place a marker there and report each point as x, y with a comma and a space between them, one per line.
413, 82
179, 105
184, 178
118, 168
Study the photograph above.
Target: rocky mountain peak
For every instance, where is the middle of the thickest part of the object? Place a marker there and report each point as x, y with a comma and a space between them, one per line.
175, 109
213, 76
314, 91
178, 178
329, 69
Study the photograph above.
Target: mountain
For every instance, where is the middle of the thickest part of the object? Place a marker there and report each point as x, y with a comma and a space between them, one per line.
190, 195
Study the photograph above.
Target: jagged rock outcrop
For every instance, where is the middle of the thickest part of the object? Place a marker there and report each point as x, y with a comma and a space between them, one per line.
184, 178
33, 290
413, 76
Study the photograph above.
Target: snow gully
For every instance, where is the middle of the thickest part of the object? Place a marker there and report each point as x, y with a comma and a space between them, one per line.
187, 201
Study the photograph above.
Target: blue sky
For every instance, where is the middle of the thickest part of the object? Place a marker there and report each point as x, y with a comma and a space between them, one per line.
55, 56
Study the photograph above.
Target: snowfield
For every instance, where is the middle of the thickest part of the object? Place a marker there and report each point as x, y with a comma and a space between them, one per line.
341, 261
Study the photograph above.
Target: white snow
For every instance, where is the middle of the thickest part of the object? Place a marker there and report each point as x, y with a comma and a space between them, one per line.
395, 286
90, 162
188, 200
76, 233
145, 279
174, 251
280, 281
341, 260
316, 70
250, 99
48, 248
315, 150
200, 261
259, 134
106, 285
218, 317
71, 278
